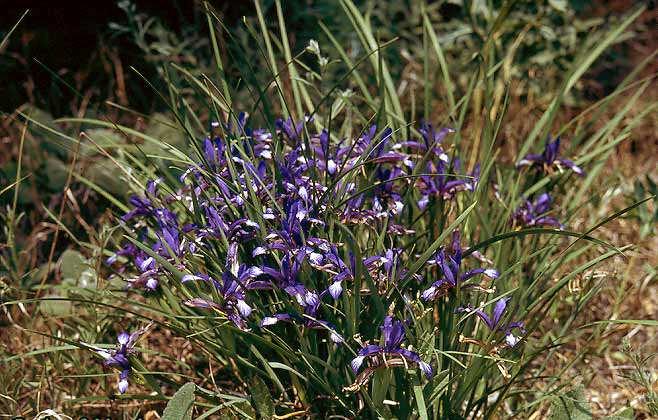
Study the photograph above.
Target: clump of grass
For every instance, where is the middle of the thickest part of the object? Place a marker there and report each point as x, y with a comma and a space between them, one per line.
346, 259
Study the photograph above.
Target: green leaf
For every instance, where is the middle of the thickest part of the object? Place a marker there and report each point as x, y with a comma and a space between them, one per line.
54, 173
72, 264
420, 402
262, 399
105, 138
571, 406
55, 307
179, 406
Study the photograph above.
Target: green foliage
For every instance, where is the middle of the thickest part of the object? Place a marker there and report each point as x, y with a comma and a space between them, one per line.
572, 405
262, 400
180, 405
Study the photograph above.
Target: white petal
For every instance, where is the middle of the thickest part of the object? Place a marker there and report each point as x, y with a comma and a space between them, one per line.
512, 340
429, 293
190, 277
315, 258
303, 193
258, 251
268, 320
357, 362
335, 337
331, 167
146, 263
426, 368
245, 310
123, 386
335, 289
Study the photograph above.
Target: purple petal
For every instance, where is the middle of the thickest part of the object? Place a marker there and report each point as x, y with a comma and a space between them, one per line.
491, 273
370, 349
529, 160
393, 332
552, 148
484, 317
498, 311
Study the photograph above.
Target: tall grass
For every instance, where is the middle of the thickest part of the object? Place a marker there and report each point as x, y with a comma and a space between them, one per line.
285, 250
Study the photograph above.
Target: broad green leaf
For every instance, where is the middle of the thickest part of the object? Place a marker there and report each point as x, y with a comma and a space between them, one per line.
573, 405
72, 264
180, 405
262, 399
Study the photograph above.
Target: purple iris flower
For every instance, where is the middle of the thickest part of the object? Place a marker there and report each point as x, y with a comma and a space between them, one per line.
432, 137
213, 152
241, 120
394, 336
309, 319
494, 324
533, 213
169, 233
143, 206
129, 250
294, 234
450, 263
287, 277
239, 230
292, 130
550, 159
236, 280
119, 357
169, 241
438, 183
232, 289
374, 214
431, 142
261, 143
387, 269
385, 192
330, 261
149, 272
326, 159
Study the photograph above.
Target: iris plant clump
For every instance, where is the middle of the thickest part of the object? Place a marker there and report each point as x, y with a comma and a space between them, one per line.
261, 232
